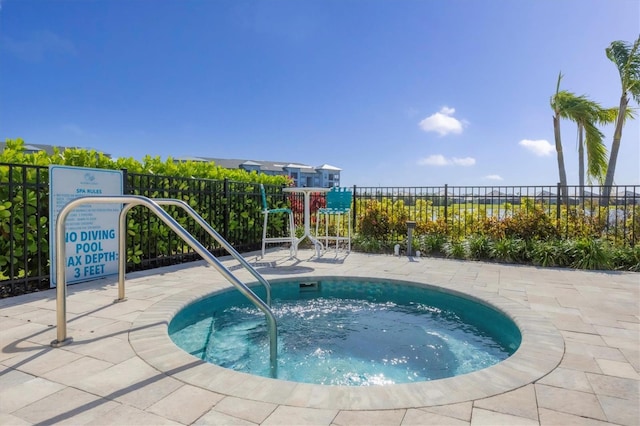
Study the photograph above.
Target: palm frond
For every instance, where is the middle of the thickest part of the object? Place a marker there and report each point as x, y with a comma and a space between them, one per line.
630, 113
587, 114
626, 57
607, 115
553, 100
579, 108
618, 53
559, 80
596, 152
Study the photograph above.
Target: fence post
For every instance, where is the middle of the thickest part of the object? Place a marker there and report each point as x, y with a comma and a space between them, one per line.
226, 198
558, 201
354, 214
126, 188
446, 201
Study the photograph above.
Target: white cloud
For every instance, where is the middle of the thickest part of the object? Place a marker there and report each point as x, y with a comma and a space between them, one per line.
447, 111
493, 177
433, 160
466, 161
442, 122
539, 147
441, 160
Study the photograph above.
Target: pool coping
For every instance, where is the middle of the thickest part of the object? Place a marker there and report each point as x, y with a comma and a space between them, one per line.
540, 352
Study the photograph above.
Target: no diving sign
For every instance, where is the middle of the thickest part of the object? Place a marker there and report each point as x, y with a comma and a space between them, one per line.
91, 233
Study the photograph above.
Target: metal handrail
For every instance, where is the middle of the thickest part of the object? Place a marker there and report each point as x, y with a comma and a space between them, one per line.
224, 243
131, 201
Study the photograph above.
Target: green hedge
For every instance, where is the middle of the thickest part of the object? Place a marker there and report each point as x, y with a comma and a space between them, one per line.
24, 215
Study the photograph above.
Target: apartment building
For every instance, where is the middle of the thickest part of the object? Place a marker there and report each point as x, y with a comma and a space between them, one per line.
303, 175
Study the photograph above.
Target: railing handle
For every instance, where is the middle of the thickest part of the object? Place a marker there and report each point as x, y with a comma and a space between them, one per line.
130, 201
224, 243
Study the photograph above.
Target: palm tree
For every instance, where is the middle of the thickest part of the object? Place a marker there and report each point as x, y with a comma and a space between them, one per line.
558, 102
586, 114
627, 60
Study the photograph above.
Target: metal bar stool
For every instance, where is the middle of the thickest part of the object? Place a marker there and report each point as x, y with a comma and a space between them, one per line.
338, 205
292, 229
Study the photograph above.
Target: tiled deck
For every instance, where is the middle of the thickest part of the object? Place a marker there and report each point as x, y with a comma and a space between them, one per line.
579, 362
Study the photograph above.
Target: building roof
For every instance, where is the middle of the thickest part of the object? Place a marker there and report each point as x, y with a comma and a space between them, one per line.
298, 166
191, 159
227, 163
49, 148
328, 167
265, 165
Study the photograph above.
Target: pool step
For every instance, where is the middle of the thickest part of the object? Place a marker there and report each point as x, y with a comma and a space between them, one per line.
309, 286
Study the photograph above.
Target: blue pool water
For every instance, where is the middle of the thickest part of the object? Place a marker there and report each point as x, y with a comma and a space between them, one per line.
349, 332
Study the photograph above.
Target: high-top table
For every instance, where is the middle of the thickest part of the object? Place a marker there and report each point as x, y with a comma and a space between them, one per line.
307, 215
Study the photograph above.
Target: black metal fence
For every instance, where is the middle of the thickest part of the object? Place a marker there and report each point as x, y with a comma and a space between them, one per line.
461, 207
234, 210
24, 228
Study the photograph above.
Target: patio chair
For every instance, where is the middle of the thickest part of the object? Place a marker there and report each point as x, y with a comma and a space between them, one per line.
291, 238
338, 205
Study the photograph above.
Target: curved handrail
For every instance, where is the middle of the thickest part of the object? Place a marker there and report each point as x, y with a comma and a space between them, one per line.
130, 201
203, 223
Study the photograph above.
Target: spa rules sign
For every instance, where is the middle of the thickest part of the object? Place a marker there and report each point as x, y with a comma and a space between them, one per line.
91, 234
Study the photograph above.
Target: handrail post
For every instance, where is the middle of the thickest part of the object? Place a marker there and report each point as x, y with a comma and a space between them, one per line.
122, 239
61, 283
122, 251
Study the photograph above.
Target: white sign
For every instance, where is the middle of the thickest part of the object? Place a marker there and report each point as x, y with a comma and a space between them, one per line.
91, 232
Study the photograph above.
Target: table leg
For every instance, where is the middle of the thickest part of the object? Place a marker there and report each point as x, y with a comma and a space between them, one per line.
307, 213
306, 221
307, 226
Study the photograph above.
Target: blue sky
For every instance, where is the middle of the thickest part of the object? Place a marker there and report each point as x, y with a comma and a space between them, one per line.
394, 92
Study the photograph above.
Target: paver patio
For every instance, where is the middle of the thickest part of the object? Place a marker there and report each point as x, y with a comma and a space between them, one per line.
580, 364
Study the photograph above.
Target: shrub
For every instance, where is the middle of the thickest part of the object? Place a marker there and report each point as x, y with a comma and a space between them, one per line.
370, 245
457, 249
479, 247
575, 222
633, 226
549, 253
434, 227
373, 222
510, 249
589, 253
491, 227
431, 243
529, 224
316, 202
625, 258
398, 218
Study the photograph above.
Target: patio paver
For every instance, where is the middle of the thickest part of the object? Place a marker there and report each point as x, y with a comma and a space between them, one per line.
581, 335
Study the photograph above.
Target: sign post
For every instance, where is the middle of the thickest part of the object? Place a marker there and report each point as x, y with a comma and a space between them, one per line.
91, 234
